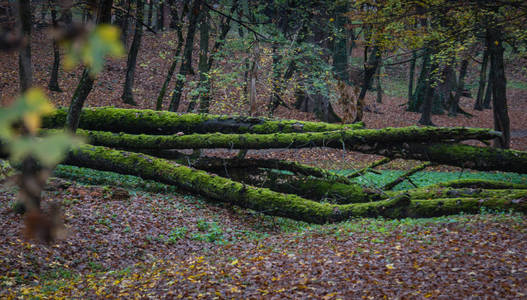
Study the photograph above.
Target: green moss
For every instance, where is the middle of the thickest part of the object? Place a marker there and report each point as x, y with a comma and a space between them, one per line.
164, 122
223, 189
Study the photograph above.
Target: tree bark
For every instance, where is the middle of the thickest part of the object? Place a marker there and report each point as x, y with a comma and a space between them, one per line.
128, 96
499, 87
186, 66
25, 69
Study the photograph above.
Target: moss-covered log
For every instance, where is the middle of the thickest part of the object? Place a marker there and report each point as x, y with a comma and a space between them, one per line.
434, 192
163, 122
362, 140
450, 206
324, 190
408, 143
481, 184
288, 205
226, 190
460, 155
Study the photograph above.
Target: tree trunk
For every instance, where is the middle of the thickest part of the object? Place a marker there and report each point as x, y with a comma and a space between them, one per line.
104, 15
174, 16
369, 70
150, 12
426, 114
128, 96
378, 87
365, 140
154, 122
289, 205
488, 92
482, 81
415, 103
162, 92
499, 87
54, 80
204, 81
207, 65
25, 71
412, 75
225, 190
186, 66
124, 25
453, 109
161, 15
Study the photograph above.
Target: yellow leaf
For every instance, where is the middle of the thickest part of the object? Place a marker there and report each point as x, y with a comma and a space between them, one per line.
32, 121
390, 267
234, 262
331, 19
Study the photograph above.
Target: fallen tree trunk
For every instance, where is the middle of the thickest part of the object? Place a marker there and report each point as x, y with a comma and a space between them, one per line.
481, 184
226, 190
264, 200
459, 155
360, 140
164, 122
408, 143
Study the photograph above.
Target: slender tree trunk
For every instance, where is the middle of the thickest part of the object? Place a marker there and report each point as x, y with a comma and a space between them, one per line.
161, 15
482, 81
369, 70
185, 67
453, 109
254, 77
203, 66
54, 81
162, 92
499, 87
488, 92
173, 14
412, 75
24, 59
207, 64
340, 46
150, 12
378, 80
415, 103
104, 15
128, 96
428, 99
124, 25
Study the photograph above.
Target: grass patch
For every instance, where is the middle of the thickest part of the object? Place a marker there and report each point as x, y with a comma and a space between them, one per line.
426, 178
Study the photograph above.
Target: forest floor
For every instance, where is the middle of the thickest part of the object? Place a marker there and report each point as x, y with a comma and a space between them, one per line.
173, 244
168, 243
